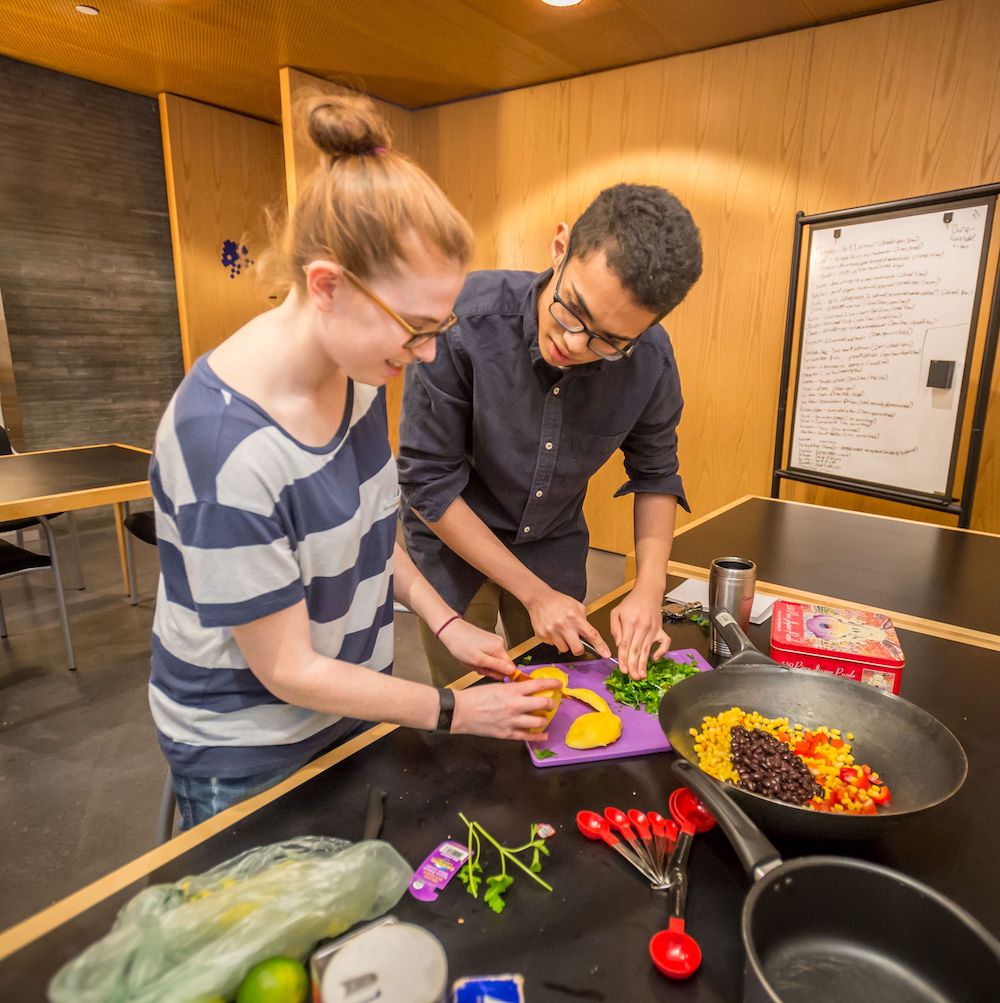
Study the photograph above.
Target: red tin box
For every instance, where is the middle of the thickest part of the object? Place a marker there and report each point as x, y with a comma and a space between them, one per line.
847, 642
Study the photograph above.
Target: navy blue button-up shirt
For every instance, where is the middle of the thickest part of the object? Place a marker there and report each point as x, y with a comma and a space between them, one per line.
489, 420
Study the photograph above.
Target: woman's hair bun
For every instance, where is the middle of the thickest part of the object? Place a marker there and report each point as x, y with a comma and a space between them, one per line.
346, 124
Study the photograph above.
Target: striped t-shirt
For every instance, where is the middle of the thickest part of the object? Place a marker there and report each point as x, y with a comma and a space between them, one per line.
249, 522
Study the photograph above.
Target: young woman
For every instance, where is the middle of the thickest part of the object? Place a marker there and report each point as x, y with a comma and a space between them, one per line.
276, 494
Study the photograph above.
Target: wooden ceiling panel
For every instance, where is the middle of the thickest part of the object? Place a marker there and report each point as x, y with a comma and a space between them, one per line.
411, 53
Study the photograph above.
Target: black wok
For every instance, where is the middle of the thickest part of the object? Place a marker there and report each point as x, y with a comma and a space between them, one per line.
836, 929
918, 757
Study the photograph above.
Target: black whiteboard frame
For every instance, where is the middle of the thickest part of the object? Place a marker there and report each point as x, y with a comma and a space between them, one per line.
961, 506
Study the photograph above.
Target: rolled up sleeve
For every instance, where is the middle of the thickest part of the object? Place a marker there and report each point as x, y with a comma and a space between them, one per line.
650, 448
435, 430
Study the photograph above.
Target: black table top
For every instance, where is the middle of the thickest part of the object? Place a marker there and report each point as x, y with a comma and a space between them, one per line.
61, 471
927, 571
588, 940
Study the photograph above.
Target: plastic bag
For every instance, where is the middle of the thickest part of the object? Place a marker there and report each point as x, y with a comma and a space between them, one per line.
197, 938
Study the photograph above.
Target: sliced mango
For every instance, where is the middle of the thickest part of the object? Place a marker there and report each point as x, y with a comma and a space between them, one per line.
550, 672
589, 697
594, 730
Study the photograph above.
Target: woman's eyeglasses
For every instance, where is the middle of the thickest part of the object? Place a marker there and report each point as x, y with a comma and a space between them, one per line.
417, 338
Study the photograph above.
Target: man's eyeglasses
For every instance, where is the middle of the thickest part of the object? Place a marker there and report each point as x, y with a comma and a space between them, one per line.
563, 315
417, 338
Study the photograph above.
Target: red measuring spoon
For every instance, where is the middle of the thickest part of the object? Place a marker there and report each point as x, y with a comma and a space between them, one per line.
687, 809
640, 822
665, 832
595, 826
620, 821
675, 953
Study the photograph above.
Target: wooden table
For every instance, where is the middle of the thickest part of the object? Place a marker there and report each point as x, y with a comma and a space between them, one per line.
588, 939
64, 480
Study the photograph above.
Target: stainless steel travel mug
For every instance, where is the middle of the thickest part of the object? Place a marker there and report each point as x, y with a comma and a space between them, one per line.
731, 584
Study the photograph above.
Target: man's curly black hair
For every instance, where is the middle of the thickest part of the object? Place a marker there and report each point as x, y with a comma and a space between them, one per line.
650, 239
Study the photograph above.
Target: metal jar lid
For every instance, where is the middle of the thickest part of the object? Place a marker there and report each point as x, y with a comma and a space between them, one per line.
399, 962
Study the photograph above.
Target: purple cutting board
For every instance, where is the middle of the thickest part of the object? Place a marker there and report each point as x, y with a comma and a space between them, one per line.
641, 732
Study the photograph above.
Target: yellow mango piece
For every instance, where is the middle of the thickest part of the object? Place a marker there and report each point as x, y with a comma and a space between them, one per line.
589, 697
550, 672
594, 730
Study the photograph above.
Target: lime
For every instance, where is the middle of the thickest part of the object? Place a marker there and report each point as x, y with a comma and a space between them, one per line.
275, 980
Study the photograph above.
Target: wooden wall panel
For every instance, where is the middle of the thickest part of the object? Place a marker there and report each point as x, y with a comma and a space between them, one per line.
722, 130
224, 174
85, 264
872, 109
899, 105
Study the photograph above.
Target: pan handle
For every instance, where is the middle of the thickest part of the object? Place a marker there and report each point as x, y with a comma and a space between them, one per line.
757, 854
744, 652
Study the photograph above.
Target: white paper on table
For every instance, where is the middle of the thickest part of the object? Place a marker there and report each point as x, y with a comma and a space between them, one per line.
693, 590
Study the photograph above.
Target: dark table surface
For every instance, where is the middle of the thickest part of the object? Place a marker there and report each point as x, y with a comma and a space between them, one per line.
588, 940
932, 572
60, 471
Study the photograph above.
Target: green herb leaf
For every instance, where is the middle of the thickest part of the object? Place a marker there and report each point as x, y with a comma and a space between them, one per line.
647, 693
544, 754
496, 887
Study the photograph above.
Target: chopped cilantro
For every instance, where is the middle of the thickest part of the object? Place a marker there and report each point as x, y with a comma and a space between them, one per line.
543, 753
647, 693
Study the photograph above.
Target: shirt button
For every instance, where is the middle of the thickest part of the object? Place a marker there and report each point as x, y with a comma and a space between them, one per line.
538, 494
555, 391
548, 445
527, 529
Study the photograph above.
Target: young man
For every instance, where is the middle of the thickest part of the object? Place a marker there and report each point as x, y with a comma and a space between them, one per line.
541, 380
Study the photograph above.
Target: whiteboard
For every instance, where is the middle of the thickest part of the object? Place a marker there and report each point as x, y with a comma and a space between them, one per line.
884, 299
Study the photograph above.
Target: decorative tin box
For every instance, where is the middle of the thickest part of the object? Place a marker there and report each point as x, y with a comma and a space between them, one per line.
847, 642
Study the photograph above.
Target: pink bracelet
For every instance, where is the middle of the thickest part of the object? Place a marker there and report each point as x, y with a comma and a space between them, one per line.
437, 633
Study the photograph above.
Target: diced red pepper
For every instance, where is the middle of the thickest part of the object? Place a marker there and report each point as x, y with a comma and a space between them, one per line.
882, 796
837, 743
852, 775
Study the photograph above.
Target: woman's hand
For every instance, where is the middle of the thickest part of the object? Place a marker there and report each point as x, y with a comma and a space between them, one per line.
479, 649
561, 620
636, 626
503, 711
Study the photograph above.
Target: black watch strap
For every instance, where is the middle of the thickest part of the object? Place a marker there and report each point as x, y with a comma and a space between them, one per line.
447, 698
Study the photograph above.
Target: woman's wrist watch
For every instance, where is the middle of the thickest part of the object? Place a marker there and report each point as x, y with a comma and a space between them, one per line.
447, 698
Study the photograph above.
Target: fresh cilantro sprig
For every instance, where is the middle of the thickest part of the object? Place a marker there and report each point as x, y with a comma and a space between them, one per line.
497, 885
647, 693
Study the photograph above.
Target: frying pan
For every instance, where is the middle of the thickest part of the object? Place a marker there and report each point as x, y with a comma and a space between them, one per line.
824, 929
920, 759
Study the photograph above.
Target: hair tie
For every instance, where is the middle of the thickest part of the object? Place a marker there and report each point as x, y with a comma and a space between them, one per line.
374, 150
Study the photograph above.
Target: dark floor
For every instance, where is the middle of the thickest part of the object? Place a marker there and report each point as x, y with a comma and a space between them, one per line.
80, 771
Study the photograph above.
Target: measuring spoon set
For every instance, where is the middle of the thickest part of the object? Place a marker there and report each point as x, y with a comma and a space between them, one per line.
658, 848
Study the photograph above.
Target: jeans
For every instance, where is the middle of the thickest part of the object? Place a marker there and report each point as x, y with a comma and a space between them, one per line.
199, 798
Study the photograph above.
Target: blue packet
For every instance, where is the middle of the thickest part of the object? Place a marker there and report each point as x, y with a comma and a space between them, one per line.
489, 989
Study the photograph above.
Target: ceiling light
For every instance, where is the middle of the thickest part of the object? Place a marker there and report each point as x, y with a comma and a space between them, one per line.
84, 8
562, 3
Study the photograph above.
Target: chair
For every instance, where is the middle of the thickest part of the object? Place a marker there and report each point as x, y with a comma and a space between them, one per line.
143, 526
18, 526
16, 560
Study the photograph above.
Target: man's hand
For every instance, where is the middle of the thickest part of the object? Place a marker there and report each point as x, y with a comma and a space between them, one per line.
479, 649
561, 621
636, 626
